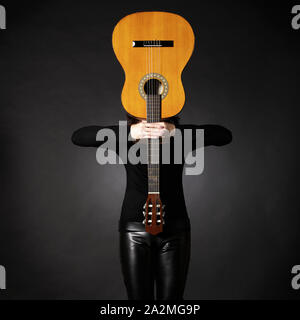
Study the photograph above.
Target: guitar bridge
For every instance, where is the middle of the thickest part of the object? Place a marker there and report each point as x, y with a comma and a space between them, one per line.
153, 43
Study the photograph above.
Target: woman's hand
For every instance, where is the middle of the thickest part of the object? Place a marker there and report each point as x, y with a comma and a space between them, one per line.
153, 130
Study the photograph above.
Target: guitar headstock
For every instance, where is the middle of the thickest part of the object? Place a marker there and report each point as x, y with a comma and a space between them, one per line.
153, 211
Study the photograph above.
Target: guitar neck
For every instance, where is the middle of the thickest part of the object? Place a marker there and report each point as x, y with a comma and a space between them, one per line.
153, 115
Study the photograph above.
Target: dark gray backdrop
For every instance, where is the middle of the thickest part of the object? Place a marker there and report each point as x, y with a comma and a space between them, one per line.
59, 208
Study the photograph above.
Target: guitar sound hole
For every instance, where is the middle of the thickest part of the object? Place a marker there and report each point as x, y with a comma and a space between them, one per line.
153, 87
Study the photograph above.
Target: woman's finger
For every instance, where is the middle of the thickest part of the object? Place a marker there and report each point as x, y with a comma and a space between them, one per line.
155, 125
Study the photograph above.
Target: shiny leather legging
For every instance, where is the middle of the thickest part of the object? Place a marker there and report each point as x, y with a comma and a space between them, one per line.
162, 259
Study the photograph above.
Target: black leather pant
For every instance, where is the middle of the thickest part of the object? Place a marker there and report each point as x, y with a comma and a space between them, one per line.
161, 259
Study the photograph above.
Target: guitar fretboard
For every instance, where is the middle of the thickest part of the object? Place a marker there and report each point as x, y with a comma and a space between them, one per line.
153, 115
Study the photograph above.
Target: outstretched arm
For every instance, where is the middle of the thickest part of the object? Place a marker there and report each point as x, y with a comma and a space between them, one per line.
214, 135
86, 136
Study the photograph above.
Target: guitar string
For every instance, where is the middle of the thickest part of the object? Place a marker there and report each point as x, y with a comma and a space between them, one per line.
147, 96
158, 116
149, 111
150, 116
150, 120
155, 119
154, 105
153, 113
157, 152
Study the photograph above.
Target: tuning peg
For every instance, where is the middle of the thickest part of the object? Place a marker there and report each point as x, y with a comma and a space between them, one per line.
144, 221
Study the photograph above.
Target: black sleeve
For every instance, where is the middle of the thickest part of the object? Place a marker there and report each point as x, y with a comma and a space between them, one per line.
86, 136
214, 135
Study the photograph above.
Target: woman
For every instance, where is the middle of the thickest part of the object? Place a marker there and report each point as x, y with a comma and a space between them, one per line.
162, 259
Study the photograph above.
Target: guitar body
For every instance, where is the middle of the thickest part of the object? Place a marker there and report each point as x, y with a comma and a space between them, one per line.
153, 45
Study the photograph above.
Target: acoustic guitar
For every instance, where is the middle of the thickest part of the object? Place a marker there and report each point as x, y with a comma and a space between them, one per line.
153, 48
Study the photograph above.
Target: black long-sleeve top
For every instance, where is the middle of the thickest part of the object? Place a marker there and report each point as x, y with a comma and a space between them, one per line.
170, 177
